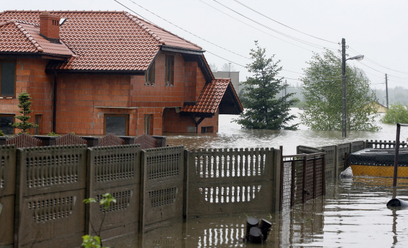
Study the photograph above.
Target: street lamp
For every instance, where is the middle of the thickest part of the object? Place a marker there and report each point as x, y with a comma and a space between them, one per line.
343, 73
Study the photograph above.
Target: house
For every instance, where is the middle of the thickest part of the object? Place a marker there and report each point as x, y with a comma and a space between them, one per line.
379, 107
99, 72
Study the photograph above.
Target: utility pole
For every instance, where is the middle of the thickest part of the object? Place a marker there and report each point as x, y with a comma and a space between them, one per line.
344, 101
386, 88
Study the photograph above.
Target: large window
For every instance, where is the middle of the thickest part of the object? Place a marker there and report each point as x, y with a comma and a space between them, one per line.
7, 78
169, 70
5, 121
117, 124
150, 74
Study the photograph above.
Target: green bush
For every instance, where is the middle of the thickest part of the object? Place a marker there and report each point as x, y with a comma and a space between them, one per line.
1, 133
52, 134
397, 113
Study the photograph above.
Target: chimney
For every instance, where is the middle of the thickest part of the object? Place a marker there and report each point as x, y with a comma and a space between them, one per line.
49, 26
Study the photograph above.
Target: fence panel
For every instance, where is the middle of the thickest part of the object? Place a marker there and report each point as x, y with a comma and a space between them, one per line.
110, 140
306, 149
24, 140
357, 146
7, 194
70, 139
226, 181
330, 161
303, 178
343, 150
114, 170
51, 185
383, 144
163, 185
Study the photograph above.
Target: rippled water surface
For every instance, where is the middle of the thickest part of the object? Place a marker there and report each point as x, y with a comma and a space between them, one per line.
231, 135
352, 214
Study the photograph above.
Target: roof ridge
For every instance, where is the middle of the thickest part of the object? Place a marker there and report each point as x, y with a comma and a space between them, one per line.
138, 21
28, 36
168, 32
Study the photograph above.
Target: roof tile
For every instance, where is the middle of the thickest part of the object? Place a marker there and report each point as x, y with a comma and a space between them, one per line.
101, 40
210, 97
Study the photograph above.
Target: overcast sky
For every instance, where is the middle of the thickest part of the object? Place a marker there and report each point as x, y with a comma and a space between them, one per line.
290, 29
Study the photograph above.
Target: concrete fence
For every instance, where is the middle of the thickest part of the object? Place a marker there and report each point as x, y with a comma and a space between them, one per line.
42, 188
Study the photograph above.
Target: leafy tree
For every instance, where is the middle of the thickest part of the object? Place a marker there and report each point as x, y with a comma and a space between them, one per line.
322, 89
264, 109
397, 113
24, 105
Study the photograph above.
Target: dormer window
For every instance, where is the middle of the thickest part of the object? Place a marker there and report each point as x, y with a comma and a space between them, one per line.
169, 70
149, 79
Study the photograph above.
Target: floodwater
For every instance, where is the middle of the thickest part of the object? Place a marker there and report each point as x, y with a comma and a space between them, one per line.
352, 214
231, 135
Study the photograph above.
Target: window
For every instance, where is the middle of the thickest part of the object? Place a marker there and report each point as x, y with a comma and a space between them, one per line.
5, 121
7, 78
38, 119
148, 127
116, 124
207, 129
169, 70
150, 74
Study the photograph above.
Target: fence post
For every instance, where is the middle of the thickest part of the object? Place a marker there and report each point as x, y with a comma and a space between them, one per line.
314, 176
185, 183
281, 178
293, 184
304, 180
324, 174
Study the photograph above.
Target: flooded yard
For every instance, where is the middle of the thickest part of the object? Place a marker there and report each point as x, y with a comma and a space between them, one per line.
352, 214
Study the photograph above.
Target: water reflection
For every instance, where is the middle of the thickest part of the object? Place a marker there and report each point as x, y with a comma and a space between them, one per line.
352, 214
231, 135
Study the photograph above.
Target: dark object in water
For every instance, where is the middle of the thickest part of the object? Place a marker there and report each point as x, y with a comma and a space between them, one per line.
265, 227
257, 232
397, 203
251, 222
255, 235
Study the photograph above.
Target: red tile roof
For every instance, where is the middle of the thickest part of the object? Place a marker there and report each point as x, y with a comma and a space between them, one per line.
211, 97
26, 38
101, 40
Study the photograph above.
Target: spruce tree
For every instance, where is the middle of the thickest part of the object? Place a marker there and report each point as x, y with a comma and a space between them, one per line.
25, 109
263, 108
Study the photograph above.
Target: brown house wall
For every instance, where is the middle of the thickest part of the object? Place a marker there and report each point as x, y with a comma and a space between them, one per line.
31, 78
83, 100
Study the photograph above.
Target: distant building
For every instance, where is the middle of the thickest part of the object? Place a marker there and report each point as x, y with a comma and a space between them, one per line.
380, 108
233, 75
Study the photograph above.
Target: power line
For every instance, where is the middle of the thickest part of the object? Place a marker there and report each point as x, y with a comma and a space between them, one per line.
246, 6
254, 27
185, 30
131, 10
276, 31
372, 61
226, 59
